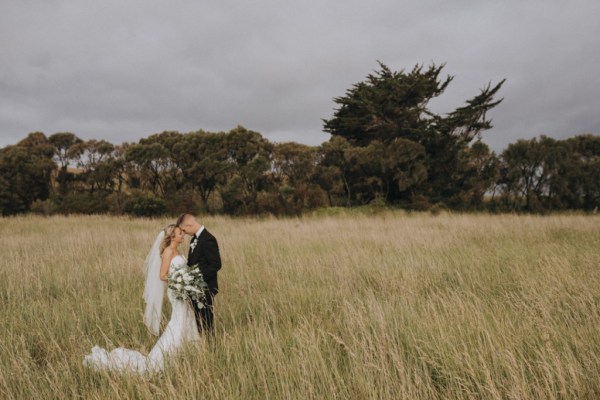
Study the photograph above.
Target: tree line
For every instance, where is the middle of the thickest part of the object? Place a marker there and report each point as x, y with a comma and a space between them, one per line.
386, 148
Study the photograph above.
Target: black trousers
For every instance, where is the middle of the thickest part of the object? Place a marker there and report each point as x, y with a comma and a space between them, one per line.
204, 315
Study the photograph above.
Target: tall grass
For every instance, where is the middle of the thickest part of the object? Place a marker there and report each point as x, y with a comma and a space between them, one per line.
334, 307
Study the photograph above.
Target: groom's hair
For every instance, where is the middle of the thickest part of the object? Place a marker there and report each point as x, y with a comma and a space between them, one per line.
182, 217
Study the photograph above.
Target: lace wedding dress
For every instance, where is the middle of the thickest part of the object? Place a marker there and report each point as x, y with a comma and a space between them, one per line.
180, 329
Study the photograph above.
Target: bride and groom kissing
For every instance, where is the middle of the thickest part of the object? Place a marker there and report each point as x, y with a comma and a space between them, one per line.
190, 317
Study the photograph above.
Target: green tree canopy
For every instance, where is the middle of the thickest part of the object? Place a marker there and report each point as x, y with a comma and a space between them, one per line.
26, 173
392, 108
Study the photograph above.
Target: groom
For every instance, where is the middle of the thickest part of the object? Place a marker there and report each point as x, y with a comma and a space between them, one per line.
204, 251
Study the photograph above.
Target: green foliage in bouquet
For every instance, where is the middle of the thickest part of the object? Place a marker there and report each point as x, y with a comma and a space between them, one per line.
187, 283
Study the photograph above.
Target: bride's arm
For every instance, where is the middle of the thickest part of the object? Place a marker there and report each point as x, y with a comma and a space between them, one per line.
164, 266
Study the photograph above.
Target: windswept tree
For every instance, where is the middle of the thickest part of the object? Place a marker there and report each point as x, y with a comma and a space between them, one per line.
392, 108
388, 105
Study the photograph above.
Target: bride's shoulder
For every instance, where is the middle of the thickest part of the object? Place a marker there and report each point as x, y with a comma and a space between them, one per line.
170, 256
167, 254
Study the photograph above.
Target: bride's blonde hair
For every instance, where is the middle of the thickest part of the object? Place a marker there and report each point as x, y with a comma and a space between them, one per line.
169, 233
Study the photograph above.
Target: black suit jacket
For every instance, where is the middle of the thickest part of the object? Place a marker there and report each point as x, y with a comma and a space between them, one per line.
206, 255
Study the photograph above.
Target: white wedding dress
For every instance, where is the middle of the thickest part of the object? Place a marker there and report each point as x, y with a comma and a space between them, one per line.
180, 329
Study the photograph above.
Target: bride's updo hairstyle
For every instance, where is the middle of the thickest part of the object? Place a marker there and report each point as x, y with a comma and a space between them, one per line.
169, 233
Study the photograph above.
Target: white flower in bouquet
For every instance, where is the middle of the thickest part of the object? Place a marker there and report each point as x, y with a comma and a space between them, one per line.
187, 283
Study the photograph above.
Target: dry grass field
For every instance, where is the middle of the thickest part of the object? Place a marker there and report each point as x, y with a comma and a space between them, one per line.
352, 306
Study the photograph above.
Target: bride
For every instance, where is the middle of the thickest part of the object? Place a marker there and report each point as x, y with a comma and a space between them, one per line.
163, 259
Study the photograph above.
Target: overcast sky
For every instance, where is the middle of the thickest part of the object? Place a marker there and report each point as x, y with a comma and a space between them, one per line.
122, 70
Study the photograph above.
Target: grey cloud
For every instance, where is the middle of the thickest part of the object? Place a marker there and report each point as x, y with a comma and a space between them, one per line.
123, 70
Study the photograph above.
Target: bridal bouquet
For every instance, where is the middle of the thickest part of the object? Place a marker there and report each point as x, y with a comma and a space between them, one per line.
188, 283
